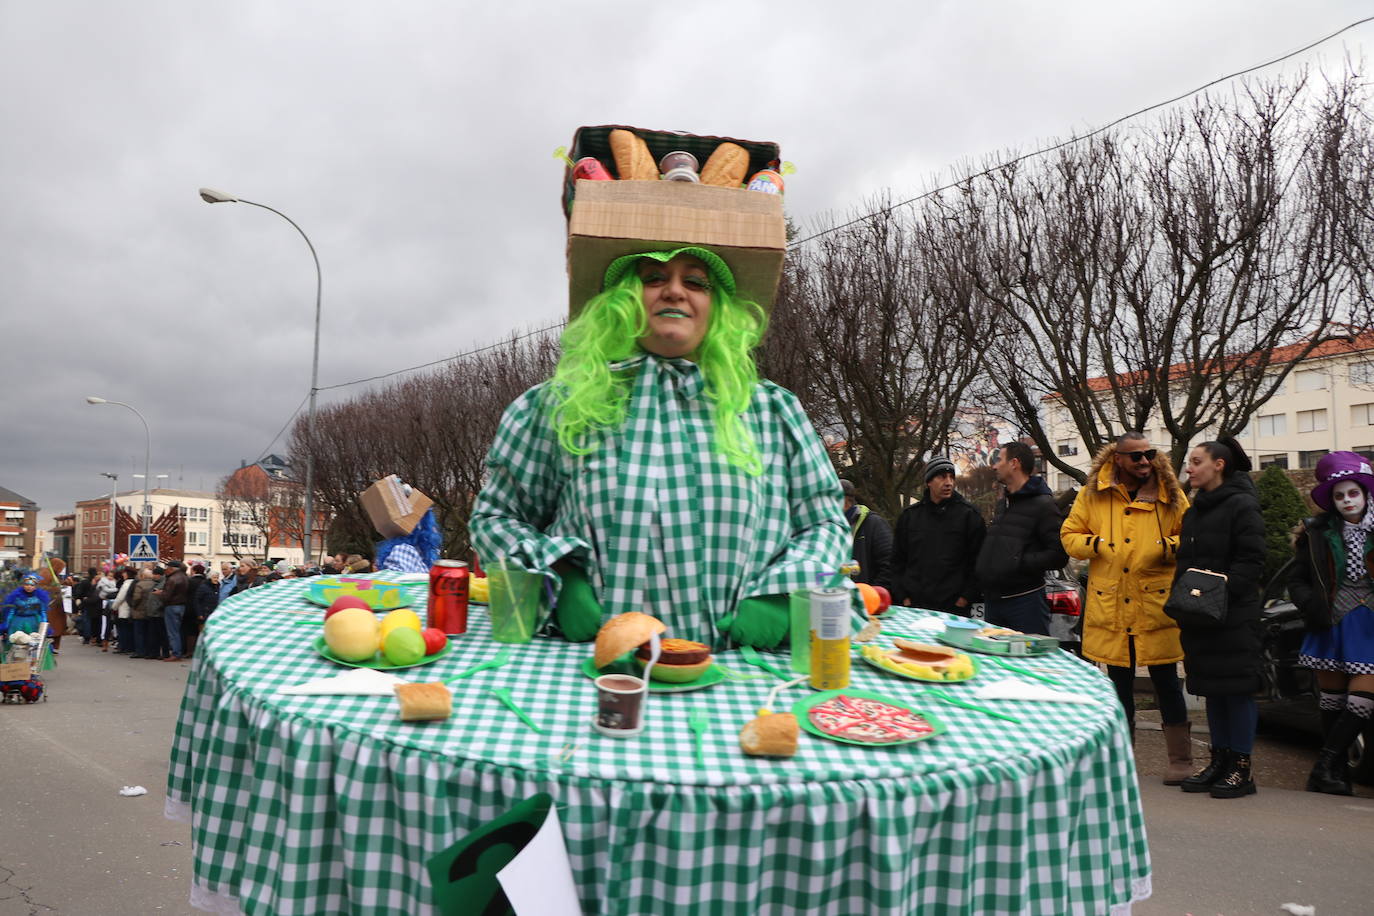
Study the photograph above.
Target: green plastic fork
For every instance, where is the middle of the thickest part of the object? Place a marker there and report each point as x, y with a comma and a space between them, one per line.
952, 700
751, 655
496, 661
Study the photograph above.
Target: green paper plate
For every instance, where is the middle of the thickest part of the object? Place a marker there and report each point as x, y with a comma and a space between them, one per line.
380, 594
961, 638
802, 708
377, 662
625, 665
924, 680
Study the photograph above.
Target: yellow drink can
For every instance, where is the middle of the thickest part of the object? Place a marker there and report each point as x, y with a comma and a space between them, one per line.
830, 609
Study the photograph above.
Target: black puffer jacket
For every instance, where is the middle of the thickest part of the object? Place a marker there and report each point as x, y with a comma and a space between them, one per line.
934, 550
1223, 531
1022, 542
1319, 563
872, 547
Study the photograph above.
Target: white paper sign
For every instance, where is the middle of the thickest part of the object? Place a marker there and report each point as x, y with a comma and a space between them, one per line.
538, 881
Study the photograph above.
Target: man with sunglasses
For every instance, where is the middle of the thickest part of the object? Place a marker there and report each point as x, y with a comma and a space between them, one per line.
1125, 522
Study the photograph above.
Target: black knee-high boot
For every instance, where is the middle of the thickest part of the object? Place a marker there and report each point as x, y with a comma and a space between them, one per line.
1331, 774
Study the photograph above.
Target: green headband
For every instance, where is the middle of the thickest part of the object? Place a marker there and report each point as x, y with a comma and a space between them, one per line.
720, 273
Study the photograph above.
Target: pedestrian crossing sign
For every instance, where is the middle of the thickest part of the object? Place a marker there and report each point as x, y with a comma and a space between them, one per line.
143, 548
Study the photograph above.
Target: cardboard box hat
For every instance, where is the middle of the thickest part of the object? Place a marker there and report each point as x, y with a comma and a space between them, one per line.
609, 219
392, 511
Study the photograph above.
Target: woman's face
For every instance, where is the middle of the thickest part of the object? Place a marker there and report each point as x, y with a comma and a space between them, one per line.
1348, 498
677, 304
1204, 471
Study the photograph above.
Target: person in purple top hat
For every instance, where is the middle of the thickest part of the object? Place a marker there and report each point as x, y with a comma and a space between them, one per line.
1332, 587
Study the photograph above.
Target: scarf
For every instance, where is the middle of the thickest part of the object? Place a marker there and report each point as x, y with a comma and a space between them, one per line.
1355, 536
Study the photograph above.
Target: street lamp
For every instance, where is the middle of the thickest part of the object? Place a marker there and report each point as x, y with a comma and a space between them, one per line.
147, 456
114, 490
211, 196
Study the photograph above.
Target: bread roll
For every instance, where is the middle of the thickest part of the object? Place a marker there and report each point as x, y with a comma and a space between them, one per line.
773, 735
633, 161
623, 633
727, 166
424, 701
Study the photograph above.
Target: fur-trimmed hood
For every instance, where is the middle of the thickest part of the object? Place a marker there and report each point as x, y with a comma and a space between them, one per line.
1169, 488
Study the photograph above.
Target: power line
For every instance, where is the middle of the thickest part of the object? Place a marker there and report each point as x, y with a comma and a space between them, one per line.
446, 359
1091, 133
283, 428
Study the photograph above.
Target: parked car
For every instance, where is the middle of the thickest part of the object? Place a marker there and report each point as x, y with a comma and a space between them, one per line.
1289, 696
1065, 594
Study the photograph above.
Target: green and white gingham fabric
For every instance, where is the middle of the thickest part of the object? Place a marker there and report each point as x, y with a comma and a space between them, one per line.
662, 521
312, 805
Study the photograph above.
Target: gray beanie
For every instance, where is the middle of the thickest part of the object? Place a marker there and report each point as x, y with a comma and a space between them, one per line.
939, 465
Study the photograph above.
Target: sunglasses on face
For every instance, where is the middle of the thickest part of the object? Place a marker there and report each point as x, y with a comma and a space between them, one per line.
1147, 455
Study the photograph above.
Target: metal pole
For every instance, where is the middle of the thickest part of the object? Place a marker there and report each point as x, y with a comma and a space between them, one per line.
309, 520
114, 491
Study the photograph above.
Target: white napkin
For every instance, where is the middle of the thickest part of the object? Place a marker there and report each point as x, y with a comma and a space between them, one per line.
355, 682
1014, 689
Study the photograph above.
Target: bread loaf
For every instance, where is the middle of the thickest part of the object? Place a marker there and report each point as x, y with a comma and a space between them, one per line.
424, 701
633, 161
773, 735
727, 166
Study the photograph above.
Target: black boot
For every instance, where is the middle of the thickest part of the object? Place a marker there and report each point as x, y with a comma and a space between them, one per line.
1237, 780
1202, 780
1331, 774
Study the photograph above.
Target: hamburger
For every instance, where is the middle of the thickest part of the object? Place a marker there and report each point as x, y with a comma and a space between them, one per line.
680, 660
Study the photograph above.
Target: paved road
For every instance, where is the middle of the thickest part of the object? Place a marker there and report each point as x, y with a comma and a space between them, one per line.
71, 845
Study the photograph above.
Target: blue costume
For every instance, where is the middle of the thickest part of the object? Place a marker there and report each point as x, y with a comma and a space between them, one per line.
22, 611
415, 552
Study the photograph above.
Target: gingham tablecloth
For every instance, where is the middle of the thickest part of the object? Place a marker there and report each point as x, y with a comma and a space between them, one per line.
321, 805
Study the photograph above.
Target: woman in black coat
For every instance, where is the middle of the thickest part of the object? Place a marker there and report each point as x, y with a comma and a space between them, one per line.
1223, 532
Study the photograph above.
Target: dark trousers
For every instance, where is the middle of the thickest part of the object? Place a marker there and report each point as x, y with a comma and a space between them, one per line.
1232, 721
140, 641
157, 638
1029, 613
1168, 689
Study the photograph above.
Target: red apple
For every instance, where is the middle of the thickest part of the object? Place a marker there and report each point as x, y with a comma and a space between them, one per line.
435, 639
344, 601
884, 599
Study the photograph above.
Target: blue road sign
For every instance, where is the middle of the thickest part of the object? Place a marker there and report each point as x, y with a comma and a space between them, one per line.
143, 548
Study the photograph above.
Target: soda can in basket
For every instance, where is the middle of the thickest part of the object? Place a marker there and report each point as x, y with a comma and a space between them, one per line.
768, 181
830, 610
448, 597
590, 168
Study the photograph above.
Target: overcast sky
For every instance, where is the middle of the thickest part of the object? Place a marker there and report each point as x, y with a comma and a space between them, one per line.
413, 142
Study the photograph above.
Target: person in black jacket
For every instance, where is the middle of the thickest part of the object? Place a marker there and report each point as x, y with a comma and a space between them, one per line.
201, 599
1332, 586
872, 539
1022, 542
1223, 532
935, 547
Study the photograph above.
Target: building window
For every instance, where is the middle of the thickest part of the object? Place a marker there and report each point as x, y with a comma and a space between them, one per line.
1273, 424
1366, 450
1362, 373
1310, 380
1362, 415
1308, 460
1311, 421
1066, 448
1279, 460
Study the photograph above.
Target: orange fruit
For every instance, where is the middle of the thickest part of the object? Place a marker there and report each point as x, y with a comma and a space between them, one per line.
870, 595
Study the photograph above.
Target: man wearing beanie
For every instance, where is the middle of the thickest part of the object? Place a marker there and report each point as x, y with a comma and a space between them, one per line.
936, 545
872, 537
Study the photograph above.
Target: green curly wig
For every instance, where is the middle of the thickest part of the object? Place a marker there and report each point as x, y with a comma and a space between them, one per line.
588, 397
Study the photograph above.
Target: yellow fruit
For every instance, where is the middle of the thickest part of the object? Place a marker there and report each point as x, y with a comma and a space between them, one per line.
401, 617
351, 634
477, 589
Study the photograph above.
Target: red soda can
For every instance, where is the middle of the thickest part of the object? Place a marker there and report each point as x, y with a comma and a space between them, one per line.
448, 597
591, 169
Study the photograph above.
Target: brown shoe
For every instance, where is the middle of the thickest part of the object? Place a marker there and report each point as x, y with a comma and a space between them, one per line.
1179, 744
172, 658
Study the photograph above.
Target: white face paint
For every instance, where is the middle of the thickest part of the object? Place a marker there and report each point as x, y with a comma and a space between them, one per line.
1348, 498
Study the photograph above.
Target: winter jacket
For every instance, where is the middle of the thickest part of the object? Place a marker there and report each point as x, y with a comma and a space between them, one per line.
1223, 531
243, 585
1130, 545
201, 597
934, 551
88, 597
1320, 564
139, 598
1022, 542
174, 589
122, 599
152, 602
872, 546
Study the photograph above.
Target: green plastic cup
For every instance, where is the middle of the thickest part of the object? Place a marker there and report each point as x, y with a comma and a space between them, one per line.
799, 603
514, 603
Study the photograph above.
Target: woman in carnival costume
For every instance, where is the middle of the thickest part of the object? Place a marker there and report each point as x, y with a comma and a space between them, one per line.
655, 471
25, 608
1332, 587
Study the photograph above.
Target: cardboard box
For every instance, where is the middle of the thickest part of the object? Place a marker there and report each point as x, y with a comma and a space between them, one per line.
15, 671
391, 512
608, 219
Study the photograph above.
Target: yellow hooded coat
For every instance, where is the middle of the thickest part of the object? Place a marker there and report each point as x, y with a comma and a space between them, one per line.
1131, 545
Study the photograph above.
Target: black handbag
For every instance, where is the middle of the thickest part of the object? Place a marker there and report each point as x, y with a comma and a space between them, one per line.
1198, 597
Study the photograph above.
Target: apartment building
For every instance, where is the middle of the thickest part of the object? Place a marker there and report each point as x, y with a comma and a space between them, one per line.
1326, 403
18, 530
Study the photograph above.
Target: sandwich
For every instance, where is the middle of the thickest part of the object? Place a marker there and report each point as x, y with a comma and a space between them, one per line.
680, 660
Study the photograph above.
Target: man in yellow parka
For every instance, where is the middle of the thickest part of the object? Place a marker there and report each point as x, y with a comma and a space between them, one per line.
1126, 522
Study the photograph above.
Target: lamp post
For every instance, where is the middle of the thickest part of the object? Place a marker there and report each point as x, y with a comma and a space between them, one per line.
147, 456
114, 490
211, 196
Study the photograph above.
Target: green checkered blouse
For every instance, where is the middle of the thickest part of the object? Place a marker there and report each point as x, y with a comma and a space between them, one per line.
660, 519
